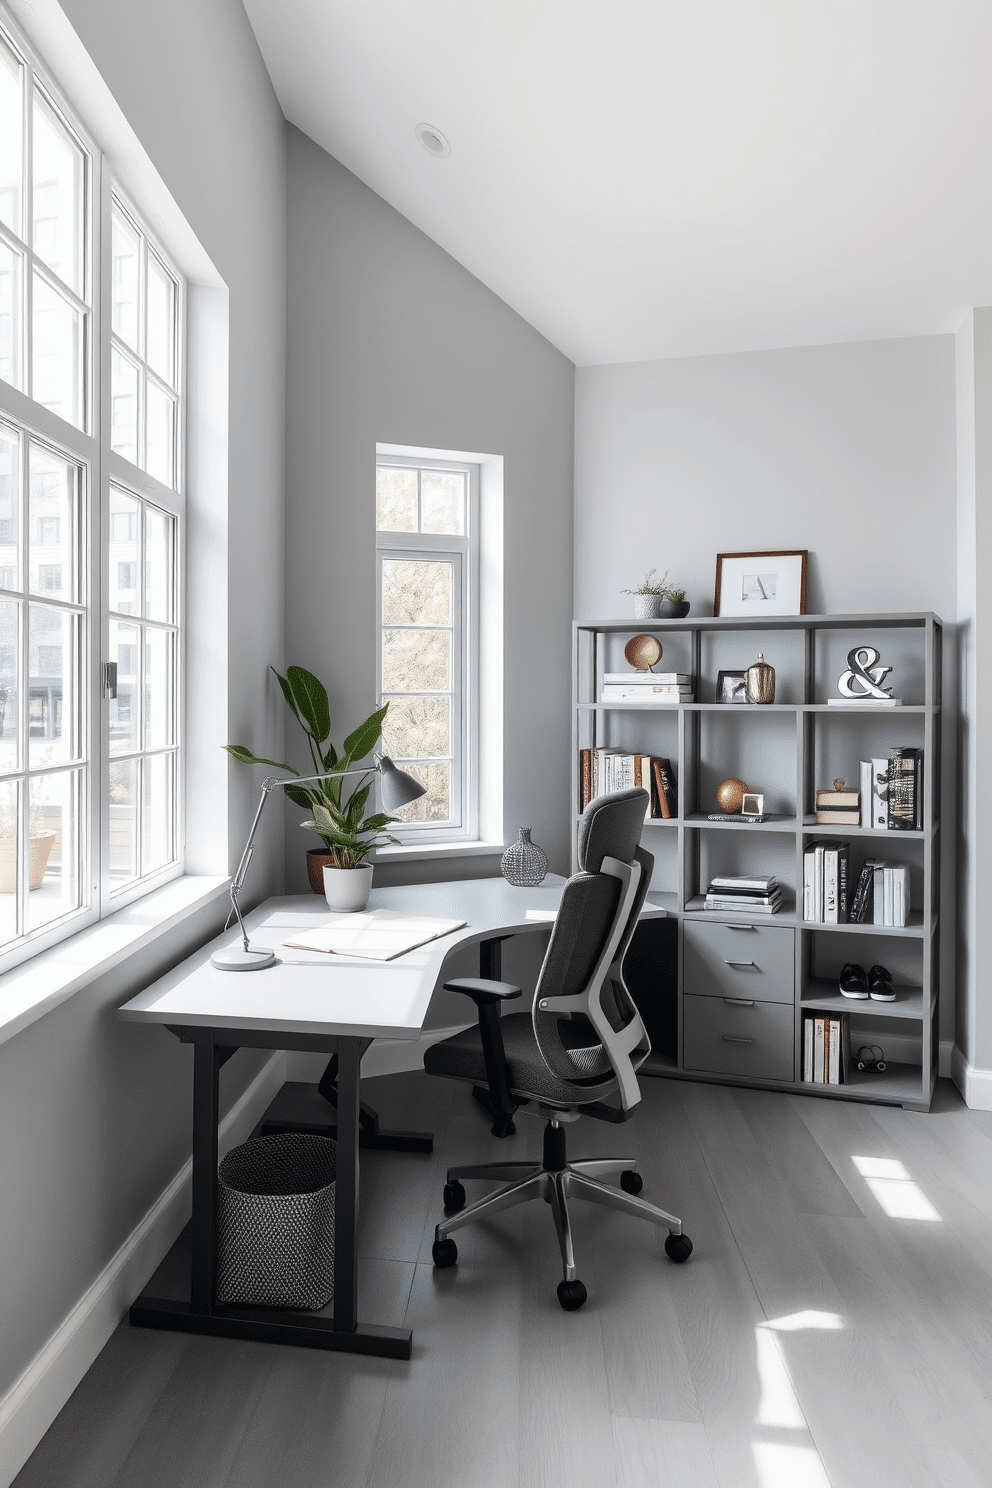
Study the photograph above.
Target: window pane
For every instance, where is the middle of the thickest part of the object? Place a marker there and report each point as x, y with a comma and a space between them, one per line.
11, 141
10, 316
442, 501
396, 500
416, 660
161, 326
124, 529
415, 592
124, 407
57, 353
8, 860
52, 525
57, 198
159, 531
126, 254
10, 666
10, 485
122, 805
52, 720
160, 435
436, 805
157, 776
417, 726
124, 708
159, 724
53, 851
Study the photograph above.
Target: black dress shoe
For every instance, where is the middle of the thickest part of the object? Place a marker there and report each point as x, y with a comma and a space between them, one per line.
854, 981
880, 988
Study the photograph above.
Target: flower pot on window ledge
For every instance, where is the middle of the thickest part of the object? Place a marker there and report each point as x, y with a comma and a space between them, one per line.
39, 851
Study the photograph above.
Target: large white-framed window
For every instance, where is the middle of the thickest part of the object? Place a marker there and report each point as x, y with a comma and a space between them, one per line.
75, 263
427, 598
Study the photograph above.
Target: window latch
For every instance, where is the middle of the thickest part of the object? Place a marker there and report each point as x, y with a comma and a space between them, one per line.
110, 679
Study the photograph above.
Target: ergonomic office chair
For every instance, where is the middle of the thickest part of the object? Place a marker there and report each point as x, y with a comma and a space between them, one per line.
577, 1051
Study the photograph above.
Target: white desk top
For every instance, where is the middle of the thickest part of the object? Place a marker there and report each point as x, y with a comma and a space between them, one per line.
308, 992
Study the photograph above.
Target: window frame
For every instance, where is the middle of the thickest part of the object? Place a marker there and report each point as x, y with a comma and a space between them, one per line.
464, 550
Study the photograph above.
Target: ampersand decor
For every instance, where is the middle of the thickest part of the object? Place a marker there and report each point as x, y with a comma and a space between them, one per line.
864, 678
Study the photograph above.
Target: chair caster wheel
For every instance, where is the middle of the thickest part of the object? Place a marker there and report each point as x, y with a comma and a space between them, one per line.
631, 1182
571, 1294
454, 1197
678, 1248
444, 1253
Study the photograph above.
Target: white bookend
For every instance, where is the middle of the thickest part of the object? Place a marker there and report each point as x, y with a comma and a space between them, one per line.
866, 795
833, 1061
879, 794
831, 886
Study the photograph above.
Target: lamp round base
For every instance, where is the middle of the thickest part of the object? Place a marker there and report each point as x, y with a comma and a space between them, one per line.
236, 958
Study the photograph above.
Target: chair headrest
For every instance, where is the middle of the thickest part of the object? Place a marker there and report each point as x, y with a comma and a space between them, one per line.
610, 827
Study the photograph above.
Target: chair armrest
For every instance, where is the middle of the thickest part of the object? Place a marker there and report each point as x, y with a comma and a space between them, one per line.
483, 992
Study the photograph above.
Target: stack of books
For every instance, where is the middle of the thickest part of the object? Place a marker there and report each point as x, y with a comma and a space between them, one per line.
826, 1049
892, 791
604, 770
838, 808
826, 882
647, 687
882, 896
745, 895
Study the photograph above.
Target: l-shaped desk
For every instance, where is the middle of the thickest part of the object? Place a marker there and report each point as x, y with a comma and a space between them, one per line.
318, 1004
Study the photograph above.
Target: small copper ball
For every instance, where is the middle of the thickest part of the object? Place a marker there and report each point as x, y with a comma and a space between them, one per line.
730, 795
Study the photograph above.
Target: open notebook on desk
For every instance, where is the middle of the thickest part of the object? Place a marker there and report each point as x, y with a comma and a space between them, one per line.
374, 934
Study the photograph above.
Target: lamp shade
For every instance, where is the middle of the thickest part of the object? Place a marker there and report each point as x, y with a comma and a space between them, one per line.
396, 786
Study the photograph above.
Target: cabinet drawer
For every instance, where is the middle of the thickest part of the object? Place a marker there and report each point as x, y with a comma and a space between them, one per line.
724, 1039
739, 961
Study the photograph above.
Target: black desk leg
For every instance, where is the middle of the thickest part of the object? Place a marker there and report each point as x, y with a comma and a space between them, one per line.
346, 1187
371, 1135
206, 1066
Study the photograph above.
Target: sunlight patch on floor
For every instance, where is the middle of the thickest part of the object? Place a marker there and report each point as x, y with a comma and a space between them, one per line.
898, 1194
795, 1322
778, 1405
783, 1466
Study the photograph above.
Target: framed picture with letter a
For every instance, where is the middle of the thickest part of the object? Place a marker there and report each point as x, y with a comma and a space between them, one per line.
756, 584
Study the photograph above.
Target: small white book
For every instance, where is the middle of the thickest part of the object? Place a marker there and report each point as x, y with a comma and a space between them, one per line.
866, 794
375, 934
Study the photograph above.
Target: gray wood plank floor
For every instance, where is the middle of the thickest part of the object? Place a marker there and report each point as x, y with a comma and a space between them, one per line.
832, 1326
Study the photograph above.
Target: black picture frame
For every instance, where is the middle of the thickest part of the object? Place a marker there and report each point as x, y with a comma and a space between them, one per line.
731, 687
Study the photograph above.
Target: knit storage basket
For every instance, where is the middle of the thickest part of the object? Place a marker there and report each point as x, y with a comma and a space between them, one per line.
275, 1222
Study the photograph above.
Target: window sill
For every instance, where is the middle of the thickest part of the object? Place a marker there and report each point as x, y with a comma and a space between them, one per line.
34, 988
415, 852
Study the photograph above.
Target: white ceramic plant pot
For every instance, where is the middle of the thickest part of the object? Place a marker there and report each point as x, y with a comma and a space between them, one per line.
347, 890
646, 606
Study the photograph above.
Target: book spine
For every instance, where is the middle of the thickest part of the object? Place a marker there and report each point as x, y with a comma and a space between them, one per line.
845, 1048
671, 786
830, 885
879, 793
866, 795
878, 915
818, 1051
902, 795
843, 882
585, 778
808, 1049
664, 805
818, 885
918, 819
833, 1058
809, 869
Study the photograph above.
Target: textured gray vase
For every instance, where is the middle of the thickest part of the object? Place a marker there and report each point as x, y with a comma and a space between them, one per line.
524, 864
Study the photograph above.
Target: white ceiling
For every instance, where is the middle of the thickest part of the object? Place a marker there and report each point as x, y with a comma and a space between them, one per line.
645, 178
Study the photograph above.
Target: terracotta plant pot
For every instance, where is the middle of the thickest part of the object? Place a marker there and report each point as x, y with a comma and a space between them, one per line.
39, 851
318, 858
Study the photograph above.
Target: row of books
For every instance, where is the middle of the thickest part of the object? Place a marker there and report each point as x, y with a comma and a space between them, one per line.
826, 1049
602, 771
881, 897
745, 895
647, 687
891, 796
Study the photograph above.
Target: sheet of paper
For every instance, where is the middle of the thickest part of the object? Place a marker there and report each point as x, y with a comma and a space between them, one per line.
375, 934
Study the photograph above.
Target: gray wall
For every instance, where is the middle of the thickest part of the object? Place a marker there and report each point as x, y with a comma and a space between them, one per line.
391, 341
94, 1117
848, 451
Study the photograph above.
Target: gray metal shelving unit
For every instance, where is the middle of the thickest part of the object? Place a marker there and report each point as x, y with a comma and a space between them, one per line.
792, 747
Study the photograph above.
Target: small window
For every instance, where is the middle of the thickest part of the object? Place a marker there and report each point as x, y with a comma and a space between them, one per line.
127, 575
49, 577
48, 530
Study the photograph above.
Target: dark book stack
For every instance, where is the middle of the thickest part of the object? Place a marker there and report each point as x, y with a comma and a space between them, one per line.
602, 771
905, 781
744, 895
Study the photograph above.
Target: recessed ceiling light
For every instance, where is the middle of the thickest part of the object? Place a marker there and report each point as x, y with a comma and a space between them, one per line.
433, 140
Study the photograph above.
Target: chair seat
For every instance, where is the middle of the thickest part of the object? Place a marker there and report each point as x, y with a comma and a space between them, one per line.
460, 1058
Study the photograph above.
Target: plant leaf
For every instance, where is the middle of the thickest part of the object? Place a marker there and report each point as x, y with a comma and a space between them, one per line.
287, 693
312, 705
331, 757
357, 805
365, 737
299, 795
245, 757
376, 823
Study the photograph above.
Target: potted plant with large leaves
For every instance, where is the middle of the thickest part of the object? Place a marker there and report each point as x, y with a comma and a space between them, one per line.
336, 814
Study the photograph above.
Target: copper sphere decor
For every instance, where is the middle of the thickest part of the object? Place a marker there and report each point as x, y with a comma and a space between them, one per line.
643, 652
730, 795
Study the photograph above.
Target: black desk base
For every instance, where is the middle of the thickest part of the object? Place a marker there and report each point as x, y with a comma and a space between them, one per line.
371, 1135
272, 1325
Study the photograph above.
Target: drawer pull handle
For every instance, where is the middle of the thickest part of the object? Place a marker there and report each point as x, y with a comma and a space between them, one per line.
739, 1001
728, 962
738, 927
736, 1038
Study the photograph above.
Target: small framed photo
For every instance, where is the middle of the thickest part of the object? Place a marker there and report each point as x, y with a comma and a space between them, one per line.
753, 804
756, 584
731, 687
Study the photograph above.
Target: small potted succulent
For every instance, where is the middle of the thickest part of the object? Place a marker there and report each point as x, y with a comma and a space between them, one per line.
648, 595
337, 814
674, 606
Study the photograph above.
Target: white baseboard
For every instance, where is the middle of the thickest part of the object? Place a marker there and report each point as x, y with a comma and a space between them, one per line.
974, 1084
34, 1400
385, 1057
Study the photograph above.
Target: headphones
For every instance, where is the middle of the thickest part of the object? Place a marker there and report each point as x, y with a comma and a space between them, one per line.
871, 1057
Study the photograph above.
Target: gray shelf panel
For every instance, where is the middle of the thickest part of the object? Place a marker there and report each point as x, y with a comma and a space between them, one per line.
751, 708
734, 824
912, 620
696, 910
811, 829
655, 821
661, 899
874, 708
823, 996
913, 929
896, 1083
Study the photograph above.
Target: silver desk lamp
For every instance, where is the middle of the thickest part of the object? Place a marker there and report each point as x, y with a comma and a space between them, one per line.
396, 788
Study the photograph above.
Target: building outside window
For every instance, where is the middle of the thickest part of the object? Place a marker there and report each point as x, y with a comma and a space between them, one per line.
91, 532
